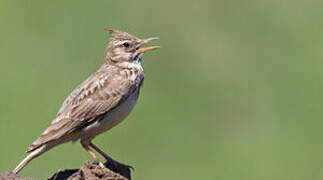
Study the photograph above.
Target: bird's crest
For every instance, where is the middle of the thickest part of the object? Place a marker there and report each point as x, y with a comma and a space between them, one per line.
119, 35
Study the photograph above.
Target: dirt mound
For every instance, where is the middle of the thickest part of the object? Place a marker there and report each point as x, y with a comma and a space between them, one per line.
89, 171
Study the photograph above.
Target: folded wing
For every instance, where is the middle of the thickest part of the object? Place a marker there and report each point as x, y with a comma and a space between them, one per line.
97, 95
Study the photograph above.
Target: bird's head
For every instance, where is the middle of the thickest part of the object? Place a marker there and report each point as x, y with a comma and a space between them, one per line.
125, 47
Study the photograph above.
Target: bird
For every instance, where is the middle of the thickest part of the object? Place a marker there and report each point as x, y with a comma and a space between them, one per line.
100, 102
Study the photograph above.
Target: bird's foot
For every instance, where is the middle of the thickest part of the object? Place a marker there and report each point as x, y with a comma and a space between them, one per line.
101, 165
98, 162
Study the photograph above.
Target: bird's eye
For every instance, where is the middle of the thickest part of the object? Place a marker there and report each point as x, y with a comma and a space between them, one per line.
126, 44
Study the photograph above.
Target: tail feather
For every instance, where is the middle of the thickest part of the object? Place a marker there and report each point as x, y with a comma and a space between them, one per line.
33, 154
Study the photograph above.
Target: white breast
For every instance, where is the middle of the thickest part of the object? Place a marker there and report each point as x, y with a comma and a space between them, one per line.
112, 118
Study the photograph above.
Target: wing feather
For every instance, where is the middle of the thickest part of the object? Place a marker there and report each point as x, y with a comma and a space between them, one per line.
100, 93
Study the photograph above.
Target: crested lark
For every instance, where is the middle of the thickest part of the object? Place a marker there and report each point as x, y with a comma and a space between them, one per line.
101, 101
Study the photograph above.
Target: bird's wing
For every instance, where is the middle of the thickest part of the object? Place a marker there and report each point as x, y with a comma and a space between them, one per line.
97, 95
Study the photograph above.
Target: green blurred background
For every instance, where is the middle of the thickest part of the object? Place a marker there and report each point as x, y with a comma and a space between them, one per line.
234, 93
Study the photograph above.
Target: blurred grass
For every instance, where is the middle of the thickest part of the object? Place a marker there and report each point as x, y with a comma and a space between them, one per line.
235, 92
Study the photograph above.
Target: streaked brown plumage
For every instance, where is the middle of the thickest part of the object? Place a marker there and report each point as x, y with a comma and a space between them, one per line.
101, 101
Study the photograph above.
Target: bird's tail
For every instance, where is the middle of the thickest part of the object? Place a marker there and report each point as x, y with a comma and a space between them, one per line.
40, 150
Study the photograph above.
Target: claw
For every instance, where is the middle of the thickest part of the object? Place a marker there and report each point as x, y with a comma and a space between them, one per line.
101, 165
96, 160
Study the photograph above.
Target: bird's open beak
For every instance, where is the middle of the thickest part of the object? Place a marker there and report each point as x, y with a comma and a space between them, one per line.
145, 41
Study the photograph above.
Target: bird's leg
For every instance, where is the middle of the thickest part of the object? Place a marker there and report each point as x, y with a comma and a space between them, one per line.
107, 157
97, 149
86, 147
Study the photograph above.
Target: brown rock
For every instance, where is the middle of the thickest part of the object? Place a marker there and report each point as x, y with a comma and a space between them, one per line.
8, 175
